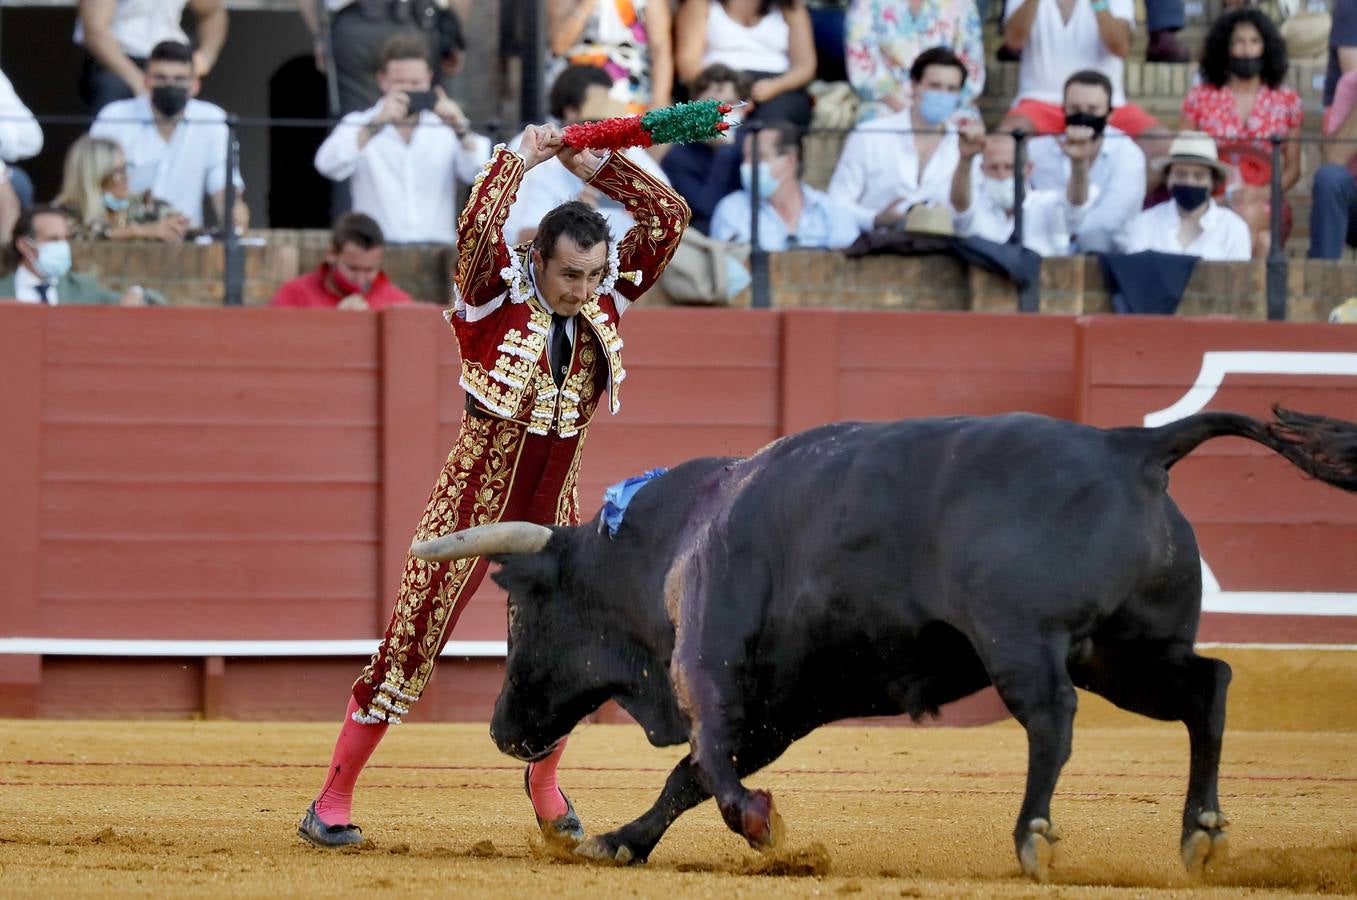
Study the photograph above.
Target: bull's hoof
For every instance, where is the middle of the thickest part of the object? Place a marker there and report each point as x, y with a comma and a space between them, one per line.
1037, 850
1207, 846
608, 850
760, 822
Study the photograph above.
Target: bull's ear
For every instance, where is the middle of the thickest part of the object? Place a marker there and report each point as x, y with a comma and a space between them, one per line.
526, 575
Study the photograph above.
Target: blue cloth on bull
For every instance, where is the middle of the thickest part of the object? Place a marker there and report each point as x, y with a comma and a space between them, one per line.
1147, 283
616, 498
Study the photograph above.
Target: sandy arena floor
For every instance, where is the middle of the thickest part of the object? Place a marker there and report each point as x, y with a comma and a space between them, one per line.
193, 808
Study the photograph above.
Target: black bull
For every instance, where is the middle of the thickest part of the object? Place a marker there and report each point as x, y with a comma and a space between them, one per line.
873, 569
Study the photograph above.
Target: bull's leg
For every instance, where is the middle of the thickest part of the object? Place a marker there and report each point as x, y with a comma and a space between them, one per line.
1171, 682
1029, 673
634, 841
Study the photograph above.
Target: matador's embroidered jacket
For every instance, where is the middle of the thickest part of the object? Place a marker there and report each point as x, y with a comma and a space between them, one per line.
501, 327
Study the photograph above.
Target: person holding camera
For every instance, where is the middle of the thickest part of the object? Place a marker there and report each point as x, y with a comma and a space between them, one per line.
406, 153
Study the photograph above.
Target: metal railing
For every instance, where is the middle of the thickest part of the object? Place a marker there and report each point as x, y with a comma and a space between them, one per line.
234, 269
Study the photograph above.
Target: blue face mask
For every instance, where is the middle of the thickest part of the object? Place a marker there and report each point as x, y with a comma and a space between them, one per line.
767, 183
116, 203
54, 260
936, 106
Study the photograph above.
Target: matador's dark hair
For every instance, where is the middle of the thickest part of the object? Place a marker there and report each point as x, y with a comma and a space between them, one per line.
575, 220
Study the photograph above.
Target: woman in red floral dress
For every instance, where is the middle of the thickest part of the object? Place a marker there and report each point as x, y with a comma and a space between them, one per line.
1242, 103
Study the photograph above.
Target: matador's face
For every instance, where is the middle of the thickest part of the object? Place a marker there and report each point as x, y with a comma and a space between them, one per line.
571, 275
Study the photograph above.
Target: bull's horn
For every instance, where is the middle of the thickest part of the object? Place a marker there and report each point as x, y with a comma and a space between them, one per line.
484, 540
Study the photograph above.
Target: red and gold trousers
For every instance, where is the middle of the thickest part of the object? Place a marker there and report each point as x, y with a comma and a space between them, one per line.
497, 471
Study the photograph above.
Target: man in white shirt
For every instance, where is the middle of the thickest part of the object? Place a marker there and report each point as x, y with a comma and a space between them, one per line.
1191, 223
118, 36
20, 138
792, 214
1049, 217
1118, 168
406, 154
1059, 38
579, 93
882, 174
175, 145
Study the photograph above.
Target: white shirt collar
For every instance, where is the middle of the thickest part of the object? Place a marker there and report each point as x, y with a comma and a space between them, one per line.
26, 287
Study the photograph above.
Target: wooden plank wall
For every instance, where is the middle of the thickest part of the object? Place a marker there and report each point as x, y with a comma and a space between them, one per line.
209, 473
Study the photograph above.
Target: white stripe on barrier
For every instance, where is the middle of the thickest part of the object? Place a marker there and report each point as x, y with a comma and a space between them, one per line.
1235, 645
120, 647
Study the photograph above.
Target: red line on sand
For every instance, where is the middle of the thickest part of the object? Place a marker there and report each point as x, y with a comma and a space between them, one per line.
874, 773
499, 787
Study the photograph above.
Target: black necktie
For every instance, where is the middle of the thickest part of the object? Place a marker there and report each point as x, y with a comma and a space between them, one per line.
43, 288
560, 348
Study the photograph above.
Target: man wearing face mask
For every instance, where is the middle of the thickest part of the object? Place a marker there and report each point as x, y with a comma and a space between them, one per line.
1049, 216
894, 162
792, 214
38, 266
351, 276
703, 173
537, 331
1191, 224
175, 145
1117, 170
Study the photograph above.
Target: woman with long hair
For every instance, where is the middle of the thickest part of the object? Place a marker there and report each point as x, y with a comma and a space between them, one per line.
95, 193
1242, 102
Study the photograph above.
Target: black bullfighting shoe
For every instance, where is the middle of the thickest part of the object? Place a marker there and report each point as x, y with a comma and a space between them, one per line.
315, 831
566, 831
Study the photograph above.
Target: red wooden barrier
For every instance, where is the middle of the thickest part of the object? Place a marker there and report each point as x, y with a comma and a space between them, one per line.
257, 474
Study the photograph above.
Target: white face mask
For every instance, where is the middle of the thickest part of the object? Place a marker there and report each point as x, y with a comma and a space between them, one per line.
1001, 191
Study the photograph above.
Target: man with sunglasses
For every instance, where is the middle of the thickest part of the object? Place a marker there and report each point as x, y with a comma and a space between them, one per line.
175, 144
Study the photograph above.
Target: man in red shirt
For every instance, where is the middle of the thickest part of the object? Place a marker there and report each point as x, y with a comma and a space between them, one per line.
351, 276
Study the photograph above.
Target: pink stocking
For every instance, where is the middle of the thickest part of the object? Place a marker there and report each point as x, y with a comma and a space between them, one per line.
352, 750
547, 799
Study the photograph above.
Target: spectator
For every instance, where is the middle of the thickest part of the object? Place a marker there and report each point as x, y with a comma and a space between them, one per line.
95, 194
1163, 20
906, 158
631, 40
120, 35
579, 93
1242, 102
883, 38
704, 173
9, 205
1333, 210
37, 266
769, 40
792, 214
351, 276
20, 138
359, 29
1049, 217
1191, 223
406, 153
1059, 38
1117, 173
175, 145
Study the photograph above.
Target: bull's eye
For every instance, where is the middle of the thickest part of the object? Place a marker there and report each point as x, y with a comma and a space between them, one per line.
513, 619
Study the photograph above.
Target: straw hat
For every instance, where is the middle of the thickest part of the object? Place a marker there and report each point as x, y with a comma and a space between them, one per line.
925, 219
1345, 313
1307, 36
598, 106
1195, 147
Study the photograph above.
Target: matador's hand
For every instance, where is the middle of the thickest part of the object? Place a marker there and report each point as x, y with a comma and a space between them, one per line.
540, 143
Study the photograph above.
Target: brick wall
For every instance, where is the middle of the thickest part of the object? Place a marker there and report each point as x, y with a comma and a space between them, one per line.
191, 275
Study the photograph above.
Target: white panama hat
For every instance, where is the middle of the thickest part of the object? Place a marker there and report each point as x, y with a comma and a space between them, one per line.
1195, 148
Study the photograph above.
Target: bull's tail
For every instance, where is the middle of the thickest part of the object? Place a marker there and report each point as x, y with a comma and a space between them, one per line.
1319, 446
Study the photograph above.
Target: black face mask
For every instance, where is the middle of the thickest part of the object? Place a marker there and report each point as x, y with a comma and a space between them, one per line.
1189, 196
169, 100
1097, 123
1246, 66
